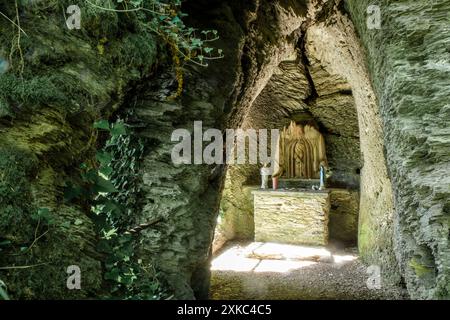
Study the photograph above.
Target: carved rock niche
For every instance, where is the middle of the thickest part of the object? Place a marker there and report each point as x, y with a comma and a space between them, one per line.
301, 152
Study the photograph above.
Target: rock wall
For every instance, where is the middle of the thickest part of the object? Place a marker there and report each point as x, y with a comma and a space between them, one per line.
408, 60
306, 87
65, 80
344, 214
236, 220
254, 37
335, 44
58, 82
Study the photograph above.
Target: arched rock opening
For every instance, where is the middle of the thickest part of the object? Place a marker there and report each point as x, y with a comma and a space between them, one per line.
312, 51
283, 59
325, 78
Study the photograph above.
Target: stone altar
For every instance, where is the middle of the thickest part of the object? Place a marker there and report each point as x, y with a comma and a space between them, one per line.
294, 217
297, 213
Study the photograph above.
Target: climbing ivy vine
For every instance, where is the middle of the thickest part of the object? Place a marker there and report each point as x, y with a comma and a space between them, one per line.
112, 184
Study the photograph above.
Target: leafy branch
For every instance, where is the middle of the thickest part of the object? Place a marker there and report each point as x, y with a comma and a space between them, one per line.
165, 19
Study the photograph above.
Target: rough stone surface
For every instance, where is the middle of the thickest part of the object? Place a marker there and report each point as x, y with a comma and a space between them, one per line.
238, 206
344, 210
408, 59
46, 132
326, 84
255, 37
344, 160
292, 217
337, 113
184, 196
335, 44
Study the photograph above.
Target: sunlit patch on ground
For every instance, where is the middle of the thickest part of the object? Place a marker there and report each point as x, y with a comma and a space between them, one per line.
274, 257
279, 271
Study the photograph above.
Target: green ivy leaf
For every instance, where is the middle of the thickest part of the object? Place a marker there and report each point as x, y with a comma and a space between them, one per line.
103, 185
102, 124
135, 3
111, 207
5, 243
118, 129
90, 176
176, 20
106, 171
65, 225
110, 233
104, 158
3, 293
114, 274
196, 42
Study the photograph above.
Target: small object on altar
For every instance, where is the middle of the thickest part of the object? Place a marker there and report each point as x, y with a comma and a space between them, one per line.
265, 173
275, 183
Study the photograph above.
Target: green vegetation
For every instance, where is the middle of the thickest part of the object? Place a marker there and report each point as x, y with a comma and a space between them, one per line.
55, 66
3, 293
54, 82
419, 268
16, 224
111, 185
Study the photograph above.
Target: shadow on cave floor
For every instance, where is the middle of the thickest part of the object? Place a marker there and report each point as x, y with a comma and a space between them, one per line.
261, 271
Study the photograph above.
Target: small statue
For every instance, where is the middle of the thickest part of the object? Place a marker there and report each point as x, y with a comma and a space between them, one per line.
265, 173
323, 169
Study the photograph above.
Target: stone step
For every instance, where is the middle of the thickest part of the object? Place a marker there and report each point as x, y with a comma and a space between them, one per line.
277, 251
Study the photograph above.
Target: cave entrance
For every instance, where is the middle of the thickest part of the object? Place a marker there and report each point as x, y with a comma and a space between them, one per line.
300, 96
301, 91
309, 87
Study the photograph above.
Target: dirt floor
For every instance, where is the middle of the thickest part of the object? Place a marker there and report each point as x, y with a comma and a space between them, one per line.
239, 273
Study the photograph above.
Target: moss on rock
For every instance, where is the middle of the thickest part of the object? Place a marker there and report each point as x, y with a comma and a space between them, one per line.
409, 68
70, 78
16, 166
